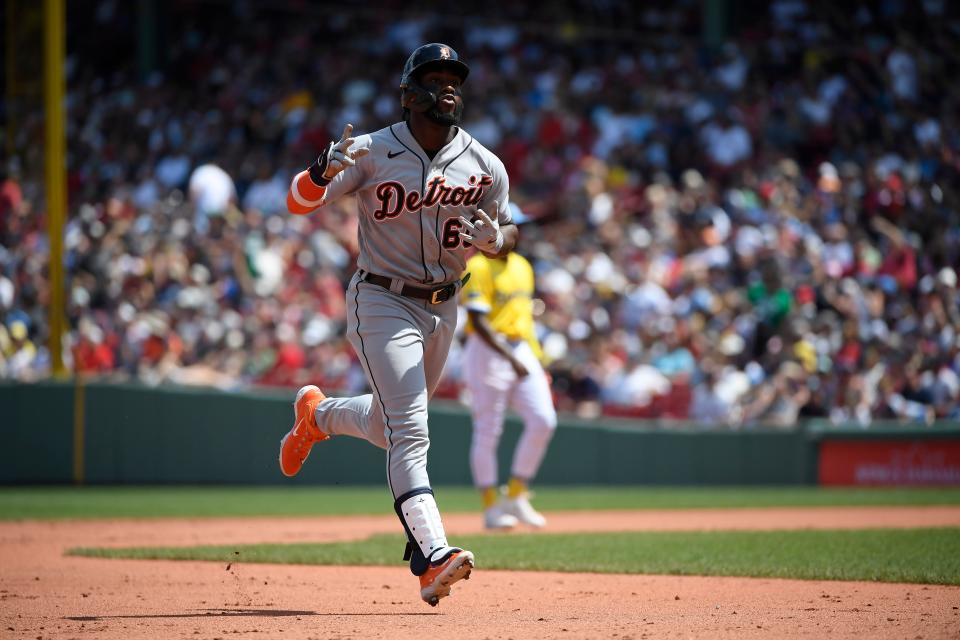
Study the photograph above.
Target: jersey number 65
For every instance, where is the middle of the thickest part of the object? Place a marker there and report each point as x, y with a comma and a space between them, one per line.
451, 234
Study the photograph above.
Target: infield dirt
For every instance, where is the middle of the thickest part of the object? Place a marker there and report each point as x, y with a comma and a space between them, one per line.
45, 594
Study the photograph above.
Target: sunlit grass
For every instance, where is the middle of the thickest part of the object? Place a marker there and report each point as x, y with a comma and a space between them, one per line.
158, 502
884, 555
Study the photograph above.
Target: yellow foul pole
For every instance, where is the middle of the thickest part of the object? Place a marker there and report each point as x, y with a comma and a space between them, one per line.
55, 154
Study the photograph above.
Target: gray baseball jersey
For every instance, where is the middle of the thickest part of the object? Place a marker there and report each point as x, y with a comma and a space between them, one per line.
410, 205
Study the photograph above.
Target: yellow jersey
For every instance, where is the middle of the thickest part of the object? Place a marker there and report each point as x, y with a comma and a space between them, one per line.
503, 290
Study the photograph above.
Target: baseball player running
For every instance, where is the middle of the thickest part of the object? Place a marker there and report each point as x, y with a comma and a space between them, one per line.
426, 191
503, 357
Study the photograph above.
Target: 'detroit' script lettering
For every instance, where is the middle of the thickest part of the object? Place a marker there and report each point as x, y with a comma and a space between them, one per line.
394, 199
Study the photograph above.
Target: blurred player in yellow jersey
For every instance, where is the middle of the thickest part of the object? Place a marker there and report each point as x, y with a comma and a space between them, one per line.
502, 365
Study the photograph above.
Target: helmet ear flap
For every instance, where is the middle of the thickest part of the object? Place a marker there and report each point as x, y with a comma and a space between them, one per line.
416, 98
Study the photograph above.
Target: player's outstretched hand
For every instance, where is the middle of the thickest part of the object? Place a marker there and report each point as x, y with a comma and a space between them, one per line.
336, 158
485, 233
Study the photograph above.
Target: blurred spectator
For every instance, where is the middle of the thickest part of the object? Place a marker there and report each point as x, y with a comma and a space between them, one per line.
778, 402
11, 195
212, 192
709, 406
727, 141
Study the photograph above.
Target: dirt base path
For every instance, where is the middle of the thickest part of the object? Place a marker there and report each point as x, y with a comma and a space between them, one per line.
44, 594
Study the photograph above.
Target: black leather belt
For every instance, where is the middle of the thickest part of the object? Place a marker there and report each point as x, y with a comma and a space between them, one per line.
433, 296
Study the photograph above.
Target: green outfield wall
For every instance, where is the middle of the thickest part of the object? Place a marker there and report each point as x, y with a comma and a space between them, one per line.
57, 432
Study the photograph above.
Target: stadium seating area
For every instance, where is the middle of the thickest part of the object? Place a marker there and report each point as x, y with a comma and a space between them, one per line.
741, 233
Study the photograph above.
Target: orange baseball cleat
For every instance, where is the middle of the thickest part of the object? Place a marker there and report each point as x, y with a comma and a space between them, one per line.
436, 581
296, 445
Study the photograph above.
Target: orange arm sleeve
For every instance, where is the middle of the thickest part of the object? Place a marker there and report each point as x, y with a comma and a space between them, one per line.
304, 196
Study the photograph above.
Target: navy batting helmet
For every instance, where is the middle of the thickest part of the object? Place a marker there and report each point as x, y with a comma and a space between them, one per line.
429, 57
432, 55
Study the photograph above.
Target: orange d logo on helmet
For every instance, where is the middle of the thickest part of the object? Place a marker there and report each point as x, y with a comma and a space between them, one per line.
444, 53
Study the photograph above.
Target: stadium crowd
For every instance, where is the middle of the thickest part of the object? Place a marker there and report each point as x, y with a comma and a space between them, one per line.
743, 234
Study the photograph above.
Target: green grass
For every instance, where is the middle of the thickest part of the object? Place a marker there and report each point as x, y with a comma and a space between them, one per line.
17, 503
885, 555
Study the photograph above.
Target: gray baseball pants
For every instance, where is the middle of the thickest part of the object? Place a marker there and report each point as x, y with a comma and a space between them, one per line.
402, 344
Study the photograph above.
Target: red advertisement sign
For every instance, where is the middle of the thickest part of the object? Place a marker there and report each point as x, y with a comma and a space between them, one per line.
889, 462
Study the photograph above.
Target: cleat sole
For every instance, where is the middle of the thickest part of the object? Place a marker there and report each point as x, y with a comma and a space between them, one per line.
441, 589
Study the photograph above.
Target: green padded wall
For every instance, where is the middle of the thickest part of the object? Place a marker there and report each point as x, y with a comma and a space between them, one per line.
142, 435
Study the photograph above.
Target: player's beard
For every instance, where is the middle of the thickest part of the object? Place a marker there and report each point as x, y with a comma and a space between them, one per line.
450, 119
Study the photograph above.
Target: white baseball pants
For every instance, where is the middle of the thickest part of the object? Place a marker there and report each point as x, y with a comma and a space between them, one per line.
494, 387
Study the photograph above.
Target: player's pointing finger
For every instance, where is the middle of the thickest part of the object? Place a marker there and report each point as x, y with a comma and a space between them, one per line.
347, 130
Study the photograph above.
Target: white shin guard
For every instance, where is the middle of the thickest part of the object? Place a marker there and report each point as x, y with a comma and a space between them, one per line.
422, 518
